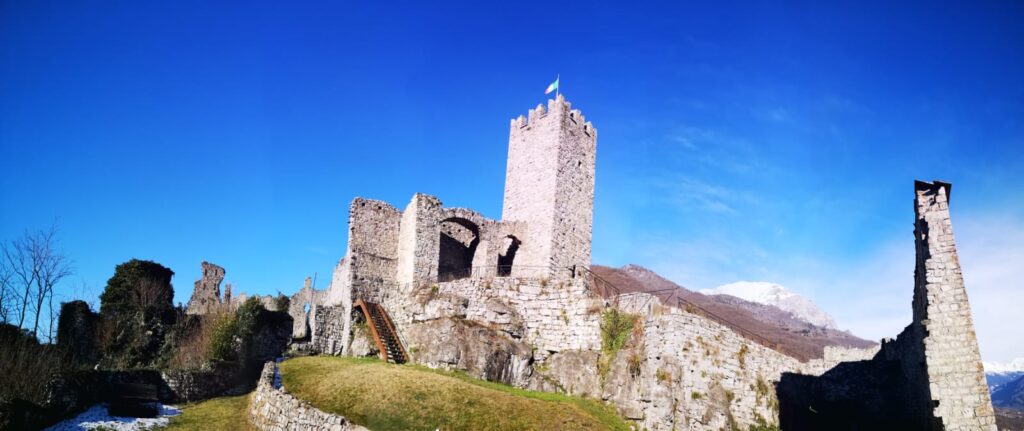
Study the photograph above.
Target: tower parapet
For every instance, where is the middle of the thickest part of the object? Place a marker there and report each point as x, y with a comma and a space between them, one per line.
549, 184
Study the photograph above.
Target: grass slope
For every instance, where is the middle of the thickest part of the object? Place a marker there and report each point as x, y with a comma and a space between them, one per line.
226, 414
384, 396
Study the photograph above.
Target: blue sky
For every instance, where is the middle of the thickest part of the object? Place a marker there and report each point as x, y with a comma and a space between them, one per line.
771, 142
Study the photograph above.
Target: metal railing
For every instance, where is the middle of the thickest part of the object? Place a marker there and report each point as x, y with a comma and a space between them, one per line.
693, 308
598, 285
608, 291
511, 271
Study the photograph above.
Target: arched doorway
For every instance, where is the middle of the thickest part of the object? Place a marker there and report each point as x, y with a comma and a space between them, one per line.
507, 255
459, 238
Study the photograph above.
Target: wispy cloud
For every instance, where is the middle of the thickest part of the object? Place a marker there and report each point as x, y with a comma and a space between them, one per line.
871, 294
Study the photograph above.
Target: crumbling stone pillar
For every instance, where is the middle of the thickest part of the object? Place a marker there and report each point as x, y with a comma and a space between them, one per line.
206, 295
959, 395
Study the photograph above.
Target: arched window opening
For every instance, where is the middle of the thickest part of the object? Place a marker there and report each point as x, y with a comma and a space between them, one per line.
459, 238
507, 255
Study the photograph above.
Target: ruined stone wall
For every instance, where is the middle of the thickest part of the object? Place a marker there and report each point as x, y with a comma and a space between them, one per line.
930, 377
330, 326
373, 244
300, 306
549, 184
206, 294
554, 315
418, 240
953, 362
682, 371
273, 409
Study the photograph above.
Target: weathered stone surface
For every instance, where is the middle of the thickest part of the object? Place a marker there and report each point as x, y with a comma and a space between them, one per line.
273, 409
330, 326
206, 295
300, 306
573, 372
362, 342
549, 185
481, 351
933, 373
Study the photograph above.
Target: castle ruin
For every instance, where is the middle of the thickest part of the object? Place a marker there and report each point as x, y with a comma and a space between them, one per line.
514, 301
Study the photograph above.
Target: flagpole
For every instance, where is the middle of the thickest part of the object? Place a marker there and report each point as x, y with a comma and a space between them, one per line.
558, 83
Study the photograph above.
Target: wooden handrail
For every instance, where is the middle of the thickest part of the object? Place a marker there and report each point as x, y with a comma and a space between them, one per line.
373, 329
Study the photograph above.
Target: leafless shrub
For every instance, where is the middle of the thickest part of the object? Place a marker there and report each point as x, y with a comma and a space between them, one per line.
27, 366
195, 345
30, 268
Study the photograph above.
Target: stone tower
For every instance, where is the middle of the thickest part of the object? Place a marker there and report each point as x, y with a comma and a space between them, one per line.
549, 185
959, 397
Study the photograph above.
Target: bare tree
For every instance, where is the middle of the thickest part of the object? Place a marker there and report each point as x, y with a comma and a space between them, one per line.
35, 268
23, 273
150, 292
6, 286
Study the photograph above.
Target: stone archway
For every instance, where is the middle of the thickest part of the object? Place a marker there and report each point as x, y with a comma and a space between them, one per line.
459, 240
507, 255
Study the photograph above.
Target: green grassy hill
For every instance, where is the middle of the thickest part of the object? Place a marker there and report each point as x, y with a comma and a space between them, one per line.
383, 396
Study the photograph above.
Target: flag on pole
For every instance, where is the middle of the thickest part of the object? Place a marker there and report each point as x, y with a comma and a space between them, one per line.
552, 87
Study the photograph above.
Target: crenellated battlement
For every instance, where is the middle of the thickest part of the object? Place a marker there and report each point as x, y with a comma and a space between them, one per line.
558, 110
549, 183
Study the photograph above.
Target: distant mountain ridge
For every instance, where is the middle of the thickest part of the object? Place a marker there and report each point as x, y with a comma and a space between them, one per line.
1010, 395
797, 337
999, 374
778, 296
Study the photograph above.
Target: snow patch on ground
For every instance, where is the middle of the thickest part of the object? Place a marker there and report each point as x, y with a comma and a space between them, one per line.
777, 295
97, 417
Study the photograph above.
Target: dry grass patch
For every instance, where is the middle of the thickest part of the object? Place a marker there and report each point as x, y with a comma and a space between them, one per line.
384, 396
226, 414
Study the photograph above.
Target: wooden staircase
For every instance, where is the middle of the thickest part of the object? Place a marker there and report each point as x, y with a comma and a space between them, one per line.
383, 332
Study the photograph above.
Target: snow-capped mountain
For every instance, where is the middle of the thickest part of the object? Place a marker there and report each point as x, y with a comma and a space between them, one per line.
778, 296
998, 374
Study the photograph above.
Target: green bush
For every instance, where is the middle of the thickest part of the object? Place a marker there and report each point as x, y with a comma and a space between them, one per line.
136, 314
615, 329
235, 332
225, 342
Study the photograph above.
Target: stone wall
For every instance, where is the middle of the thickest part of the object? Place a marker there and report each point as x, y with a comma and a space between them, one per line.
273, 409
553, 315
300, 307
549, 184
930, 377
682, 371
330, 325
206, 294
953, 363
373, 245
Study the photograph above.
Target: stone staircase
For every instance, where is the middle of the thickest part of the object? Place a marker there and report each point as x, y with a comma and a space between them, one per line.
383, 332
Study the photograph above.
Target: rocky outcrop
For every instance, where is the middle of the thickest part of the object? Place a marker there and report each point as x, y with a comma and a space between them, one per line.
572, 372
362, 344
481, 351
273, 408
206, 295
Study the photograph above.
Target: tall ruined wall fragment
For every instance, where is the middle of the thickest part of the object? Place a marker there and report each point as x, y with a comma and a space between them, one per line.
930, 377
206, 295
956, 379
549, 184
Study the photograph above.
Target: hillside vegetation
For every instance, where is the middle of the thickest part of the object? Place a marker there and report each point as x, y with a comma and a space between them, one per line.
383, 396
